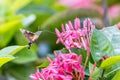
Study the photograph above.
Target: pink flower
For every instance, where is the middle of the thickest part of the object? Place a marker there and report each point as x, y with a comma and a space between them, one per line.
75, 36
84, 4
63, 67
114, 11
94, 66
37, 76
77, 3
118, 25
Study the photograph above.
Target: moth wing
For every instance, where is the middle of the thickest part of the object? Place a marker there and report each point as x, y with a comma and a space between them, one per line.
29, 35
37, 34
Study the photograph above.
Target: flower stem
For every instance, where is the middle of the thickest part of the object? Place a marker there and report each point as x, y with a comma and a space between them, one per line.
102, 76
83, 43
69, 50
86, 62
105, 8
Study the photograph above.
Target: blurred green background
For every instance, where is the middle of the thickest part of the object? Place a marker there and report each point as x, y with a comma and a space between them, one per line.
45, 15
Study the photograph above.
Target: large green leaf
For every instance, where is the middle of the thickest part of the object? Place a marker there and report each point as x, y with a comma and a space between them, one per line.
7, 26
18, 4
25, 56
7, 31
100, 45
11, 50
113, 34
6, 53
112, 70
5, 59
36, 9
117, 76
109, 62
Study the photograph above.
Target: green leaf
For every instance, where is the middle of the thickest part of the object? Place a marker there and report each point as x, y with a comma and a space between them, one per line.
18, 4
80, 52
64, 50
109, 62
36, 9
117, 76
25, 56
11, 50
96, 73
90, 67
112, 71
113, 34
8, 26
5, 59
6, 53
42, 13
28, 20
100, 45
45, 64
47, 2
7, 31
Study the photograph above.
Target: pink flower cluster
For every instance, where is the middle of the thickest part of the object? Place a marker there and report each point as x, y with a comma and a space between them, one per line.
113, 11
63, 67
76, 36
77, 3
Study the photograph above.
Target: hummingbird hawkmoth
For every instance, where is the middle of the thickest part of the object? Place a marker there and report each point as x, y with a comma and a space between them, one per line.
32, 37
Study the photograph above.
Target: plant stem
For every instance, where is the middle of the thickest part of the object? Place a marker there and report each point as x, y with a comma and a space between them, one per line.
86, 62
90, 76
105, 11
69, 50
102, 76
83, 41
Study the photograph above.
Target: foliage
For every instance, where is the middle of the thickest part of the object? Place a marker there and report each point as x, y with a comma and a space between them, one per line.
7, 53
110, 61
17, 62
97, 48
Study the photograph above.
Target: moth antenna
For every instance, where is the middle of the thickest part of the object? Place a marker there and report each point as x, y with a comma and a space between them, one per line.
45, 30
49, 32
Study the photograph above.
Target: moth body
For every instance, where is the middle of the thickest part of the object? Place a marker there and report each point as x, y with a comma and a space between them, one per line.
32, 37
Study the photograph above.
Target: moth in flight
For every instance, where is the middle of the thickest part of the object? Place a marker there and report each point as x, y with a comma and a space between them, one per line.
32, 37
